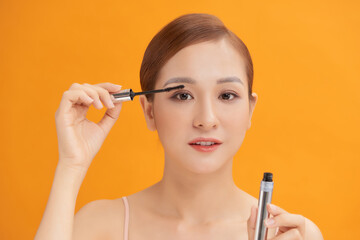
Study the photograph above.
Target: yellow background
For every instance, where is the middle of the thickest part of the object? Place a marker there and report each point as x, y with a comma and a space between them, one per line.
304, 129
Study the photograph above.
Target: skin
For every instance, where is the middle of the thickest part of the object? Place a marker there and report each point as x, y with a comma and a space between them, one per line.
190, 179
197, 198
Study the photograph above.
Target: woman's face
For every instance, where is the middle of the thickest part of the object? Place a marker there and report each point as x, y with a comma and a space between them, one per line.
204, 108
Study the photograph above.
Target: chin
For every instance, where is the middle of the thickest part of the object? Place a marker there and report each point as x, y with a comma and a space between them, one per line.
201, 163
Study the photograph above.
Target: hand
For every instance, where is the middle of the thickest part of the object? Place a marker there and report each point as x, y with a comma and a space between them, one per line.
79, 139
290, 226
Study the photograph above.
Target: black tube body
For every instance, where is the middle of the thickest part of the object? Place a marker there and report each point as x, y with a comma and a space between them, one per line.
266, 189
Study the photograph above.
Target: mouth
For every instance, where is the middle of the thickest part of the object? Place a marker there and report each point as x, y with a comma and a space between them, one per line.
205, 144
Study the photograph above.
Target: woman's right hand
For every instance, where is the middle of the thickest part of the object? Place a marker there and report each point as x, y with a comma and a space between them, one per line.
79, 139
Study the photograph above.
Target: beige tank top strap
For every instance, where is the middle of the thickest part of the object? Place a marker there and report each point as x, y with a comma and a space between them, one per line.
126, 225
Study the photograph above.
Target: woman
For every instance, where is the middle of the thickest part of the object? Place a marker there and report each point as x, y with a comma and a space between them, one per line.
197, 198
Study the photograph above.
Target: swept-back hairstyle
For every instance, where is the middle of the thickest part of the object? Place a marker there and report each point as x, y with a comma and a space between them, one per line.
184, 31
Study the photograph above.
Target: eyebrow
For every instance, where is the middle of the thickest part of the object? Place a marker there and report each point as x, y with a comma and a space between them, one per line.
192, 81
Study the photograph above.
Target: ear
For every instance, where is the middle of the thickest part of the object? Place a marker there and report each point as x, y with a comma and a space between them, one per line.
252, 104
148, 110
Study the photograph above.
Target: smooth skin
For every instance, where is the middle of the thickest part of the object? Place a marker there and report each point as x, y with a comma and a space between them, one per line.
197, 198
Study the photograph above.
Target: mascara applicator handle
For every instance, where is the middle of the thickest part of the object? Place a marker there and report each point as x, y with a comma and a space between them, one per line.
123, 96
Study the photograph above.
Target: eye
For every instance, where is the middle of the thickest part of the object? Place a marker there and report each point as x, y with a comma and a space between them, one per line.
181, 96
228, 96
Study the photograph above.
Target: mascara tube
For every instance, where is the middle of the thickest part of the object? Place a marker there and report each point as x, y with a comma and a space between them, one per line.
266, 189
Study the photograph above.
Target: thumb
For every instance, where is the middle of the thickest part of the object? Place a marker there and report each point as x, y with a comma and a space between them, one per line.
110, 117
251, 223
111, 114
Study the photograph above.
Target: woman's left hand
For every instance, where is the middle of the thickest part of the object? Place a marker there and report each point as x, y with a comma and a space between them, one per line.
291, 226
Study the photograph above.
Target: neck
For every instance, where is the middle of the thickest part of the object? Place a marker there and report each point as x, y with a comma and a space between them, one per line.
196, 198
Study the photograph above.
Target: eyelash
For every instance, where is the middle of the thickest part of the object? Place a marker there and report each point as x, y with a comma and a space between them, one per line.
178, 93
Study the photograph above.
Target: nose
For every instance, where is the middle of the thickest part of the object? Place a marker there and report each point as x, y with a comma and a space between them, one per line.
205, 116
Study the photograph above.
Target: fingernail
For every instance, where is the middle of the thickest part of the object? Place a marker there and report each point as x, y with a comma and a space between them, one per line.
99, 104
272, 207
90, 99
269, 221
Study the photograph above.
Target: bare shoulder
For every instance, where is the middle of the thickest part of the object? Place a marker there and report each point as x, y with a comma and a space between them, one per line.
100, 219
312, 231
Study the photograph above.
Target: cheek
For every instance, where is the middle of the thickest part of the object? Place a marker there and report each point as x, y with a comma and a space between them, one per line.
235, 122
170, 123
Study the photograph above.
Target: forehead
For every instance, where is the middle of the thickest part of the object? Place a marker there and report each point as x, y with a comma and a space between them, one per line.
204, 62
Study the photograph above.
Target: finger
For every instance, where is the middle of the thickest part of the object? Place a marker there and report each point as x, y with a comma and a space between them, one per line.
112, 88
93, 94
252, 218
90, 92
286, 220
251, 223
71, 97
110, 116
109, 86
274, 210
104, 95
293, 234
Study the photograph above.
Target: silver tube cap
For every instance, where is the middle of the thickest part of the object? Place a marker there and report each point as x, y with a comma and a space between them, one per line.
122, 96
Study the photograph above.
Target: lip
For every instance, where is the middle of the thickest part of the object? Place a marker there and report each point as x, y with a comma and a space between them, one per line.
201, 139
205, 148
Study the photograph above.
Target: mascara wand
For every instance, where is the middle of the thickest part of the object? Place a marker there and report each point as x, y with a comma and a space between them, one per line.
128, 94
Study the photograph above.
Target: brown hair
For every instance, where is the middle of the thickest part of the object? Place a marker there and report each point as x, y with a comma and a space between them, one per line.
182, 32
